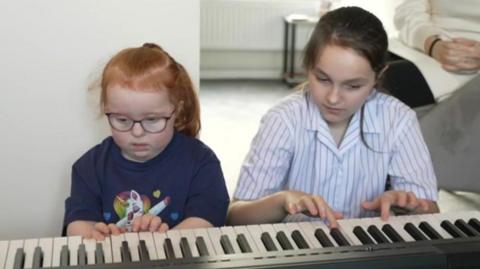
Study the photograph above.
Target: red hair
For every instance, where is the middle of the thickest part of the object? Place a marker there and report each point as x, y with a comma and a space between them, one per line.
150, 67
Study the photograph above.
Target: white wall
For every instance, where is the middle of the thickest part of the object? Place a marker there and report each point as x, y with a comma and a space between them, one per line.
258, 58
49, 54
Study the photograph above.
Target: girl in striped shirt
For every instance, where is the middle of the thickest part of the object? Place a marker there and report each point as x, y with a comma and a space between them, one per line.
326, 151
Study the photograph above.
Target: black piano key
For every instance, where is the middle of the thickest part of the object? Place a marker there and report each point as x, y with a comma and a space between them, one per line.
64, 256
19, 259
168, 248
323, 238
268, 242
125, 252
299, 240
429, 231
377, 234
362, 235
465, 228
283, 240
414, 232
37, 258
392, 234
185, 248
475, 223
143, 251
99, 255
226, 244
201, 246
82, 255
452, 229
243, 243
339, 238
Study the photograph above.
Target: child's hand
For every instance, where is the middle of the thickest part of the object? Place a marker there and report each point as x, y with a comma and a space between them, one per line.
312, 205
102, 230
403, 199
150, 223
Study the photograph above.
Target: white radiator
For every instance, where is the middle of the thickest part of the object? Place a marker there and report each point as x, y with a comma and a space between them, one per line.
249, 24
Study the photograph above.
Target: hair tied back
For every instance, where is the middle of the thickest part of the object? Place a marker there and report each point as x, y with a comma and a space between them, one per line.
151, 46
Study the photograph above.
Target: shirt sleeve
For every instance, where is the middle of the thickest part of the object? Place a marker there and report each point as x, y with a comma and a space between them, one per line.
411, 167
208, 196
84, 202
413, 19
267, 164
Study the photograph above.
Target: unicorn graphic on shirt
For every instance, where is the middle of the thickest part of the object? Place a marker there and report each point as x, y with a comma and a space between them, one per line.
134, 209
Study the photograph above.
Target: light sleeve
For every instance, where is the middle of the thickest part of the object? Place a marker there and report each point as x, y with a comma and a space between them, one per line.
267, 164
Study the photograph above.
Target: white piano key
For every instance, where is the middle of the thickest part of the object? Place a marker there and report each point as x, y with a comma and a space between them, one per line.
273, 234
175, 236
256, 234
398, 223
309, 233
29, 248
292, 226
320, 224
364, 223
12, 249
159, 239
73, 244
90, 246
471, 214
415, 220
243, 230
435, 223
232, 236
132, 240
190, 235
281, 227
378, 222
215, 234
107, 249
208, 242
116, 246
453, 216
3, 253
46, 244
58, 243
346, 227
149, 242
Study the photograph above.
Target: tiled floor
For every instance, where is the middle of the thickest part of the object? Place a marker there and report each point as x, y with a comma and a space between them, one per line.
231, 112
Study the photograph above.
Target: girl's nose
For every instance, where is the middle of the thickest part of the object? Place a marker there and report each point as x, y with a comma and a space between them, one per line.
137, 129
333, 96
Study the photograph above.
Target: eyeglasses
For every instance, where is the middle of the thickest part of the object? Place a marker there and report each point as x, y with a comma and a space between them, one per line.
150, 124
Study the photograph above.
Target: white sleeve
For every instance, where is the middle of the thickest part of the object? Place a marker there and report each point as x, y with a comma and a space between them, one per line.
413, 20
267, 164
411, 167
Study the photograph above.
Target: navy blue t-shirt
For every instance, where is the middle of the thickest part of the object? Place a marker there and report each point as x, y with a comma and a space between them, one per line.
105, 185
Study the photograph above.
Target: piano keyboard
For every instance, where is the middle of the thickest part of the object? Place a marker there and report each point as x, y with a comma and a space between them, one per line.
425, 239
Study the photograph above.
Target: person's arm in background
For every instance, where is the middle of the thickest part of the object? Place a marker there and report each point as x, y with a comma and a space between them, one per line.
455, 55
413, 19
414, 23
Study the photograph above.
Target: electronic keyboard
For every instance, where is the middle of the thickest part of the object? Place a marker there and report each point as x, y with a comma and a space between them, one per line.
449, 240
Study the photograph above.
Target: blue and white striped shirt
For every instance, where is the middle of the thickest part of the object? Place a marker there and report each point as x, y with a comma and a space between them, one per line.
294, 150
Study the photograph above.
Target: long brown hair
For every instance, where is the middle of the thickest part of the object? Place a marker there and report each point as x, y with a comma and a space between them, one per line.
150, 67
349, 27
354, 28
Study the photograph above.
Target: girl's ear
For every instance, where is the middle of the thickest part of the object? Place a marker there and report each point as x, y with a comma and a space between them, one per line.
382, 72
